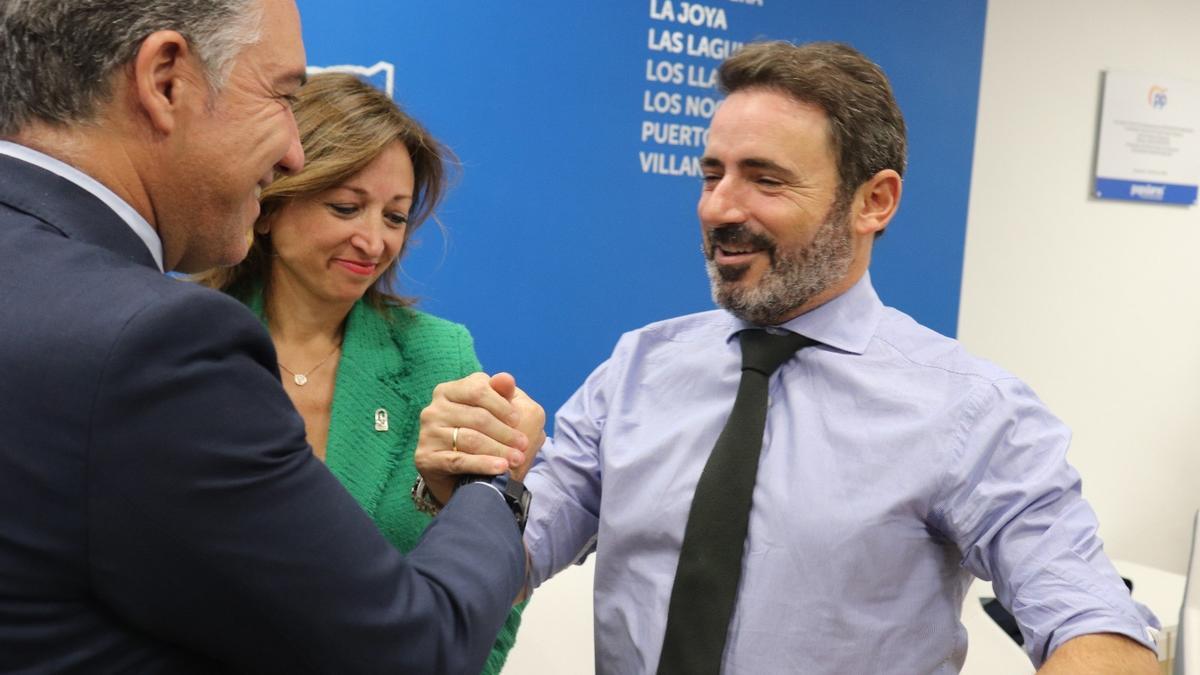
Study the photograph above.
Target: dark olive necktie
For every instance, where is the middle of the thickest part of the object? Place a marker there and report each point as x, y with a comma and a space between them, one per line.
710, 560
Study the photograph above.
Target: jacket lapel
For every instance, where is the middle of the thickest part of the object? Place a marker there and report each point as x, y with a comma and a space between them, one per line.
359, 451
366, 446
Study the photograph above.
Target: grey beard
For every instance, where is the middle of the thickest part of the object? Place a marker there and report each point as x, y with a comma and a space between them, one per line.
794, 277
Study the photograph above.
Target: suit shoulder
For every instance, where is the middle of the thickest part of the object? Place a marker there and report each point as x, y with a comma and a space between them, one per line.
82, 299
180, 306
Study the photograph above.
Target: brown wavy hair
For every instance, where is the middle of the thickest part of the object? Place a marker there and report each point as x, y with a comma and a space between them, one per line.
345, 123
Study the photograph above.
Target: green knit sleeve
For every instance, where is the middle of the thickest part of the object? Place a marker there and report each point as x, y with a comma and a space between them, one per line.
468, 361
504, 641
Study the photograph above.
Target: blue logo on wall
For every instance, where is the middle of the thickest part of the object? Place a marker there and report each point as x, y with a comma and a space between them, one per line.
1143, 191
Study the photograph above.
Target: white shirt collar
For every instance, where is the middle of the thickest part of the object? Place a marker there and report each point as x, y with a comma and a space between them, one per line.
132, 218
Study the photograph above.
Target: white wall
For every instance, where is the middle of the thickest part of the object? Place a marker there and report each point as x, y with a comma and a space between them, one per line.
556, 627
1095, 303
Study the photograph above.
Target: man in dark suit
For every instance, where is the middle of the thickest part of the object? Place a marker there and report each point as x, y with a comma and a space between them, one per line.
160, 510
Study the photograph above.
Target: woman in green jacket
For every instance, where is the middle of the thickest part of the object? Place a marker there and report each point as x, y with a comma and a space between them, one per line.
356, 359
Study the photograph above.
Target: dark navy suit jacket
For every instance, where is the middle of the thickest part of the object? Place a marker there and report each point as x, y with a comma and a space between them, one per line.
160, 509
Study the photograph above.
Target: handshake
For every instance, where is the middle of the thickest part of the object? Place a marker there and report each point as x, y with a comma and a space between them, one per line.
477, 425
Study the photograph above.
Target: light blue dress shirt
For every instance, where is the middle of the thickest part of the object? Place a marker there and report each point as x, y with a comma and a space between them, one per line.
894, 467
127, 213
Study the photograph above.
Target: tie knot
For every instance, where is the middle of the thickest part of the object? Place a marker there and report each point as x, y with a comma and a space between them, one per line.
764, 352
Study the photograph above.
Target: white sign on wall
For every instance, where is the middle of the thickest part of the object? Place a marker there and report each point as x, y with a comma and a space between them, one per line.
1148, 149
382, 74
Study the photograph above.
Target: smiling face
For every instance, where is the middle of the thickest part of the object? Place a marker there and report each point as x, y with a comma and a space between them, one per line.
331, 247
776, 236
232, 148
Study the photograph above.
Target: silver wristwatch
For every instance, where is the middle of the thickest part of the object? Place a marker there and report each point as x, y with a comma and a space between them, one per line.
423, 498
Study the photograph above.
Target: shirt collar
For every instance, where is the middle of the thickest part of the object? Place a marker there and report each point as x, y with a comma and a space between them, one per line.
847, 322
127, 213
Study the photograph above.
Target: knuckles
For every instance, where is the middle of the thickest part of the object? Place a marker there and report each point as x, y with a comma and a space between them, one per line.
478, 418
428, 413
475, 386
455, 462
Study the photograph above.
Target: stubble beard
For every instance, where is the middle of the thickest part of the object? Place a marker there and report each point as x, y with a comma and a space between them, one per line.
793, 277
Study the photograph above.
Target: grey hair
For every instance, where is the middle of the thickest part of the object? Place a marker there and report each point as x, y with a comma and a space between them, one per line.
57, 57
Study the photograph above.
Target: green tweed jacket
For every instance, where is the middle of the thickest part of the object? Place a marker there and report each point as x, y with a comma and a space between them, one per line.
391, 364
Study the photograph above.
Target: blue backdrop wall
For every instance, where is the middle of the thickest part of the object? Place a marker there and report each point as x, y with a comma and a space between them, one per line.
577, 124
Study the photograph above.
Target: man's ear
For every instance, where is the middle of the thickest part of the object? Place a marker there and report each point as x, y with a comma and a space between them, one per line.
876, 201
164, 72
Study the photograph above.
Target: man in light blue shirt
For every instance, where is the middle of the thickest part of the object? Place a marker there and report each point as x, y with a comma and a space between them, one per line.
895, 466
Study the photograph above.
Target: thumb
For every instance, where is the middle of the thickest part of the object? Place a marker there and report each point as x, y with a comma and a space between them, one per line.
504, 384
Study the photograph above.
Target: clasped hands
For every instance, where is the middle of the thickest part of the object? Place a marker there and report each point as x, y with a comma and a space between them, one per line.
477, 425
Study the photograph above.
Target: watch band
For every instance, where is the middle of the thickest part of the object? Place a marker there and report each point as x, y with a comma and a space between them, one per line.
512, 490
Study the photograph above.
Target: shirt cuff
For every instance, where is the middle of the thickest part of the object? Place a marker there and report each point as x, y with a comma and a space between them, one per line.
493, 488
1069, 598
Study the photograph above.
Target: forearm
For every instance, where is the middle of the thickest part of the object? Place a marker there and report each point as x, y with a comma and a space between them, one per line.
1101, 654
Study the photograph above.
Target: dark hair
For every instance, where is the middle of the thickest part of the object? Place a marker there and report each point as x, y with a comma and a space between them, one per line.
865, 125
345, 124
57, 57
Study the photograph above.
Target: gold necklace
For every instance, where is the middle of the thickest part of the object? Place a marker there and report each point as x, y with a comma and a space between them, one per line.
301, 379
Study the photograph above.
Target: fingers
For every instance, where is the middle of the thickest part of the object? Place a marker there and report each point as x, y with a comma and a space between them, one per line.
532, 417
477, 425
533, 425
487, 442
481, 434
442, 469
447, 463
440, 418
476, 390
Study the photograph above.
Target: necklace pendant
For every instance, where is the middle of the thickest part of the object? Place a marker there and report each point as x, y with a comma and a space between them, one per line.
300, 379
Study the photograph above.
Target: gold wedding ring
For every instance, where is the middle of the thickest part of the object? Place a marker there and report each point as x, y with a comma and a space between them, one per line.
454, 440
